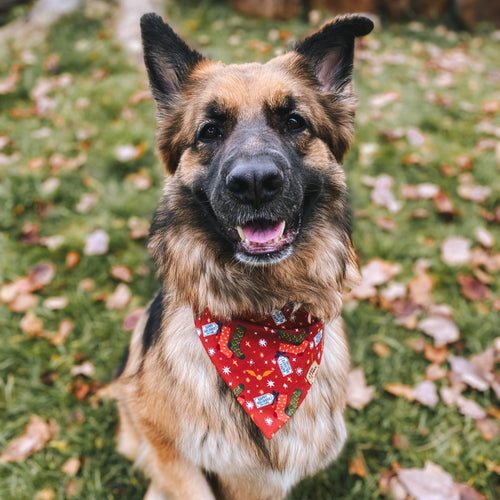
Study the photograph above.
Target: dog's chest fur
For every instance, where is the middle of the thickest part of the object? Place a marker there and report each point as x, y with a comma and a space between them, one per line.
192, 403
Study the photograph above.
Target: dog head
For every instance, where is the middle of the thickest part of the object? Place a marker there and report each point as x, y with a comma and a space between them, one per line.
253, 151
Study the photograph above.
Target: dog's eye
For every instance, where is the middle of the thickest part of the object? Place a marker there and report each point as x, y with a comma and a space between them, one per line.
295, 123
210, 132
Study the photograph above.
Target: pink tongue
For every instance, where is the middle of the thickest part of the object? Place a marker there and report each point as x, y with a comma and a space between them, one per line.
256, 234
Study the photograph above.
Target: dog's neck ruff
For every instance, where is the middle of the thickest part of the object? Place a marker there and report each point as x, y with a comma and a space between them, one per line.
269, 362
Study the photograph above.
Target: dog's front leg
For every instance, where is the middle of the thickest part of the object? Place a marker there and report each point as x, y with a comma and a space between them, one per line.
172, 477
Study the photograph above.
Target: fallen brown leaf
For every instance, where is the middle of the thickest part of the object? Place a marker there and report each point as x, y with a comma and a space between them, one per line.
139, 228
132, 318
357, 467
444, 205
381, 349
119, 298
72, 259
64, 329
472, 288
455, 251
32, 325
470, 408
9, 83
46, 494
71, 466
35, 437
399, 390
358, 394
96, 243
488, 428
435, 372
425, 393
430, 482
122, 273
419, 289
442, 330
23, 302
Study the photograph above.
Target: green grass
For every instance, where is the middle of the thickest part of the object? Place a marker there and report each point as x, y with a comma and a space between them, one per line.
84, 48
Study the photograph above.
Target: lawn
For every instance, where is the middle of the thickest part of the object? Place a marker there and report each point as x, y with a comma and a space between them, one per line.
79, 181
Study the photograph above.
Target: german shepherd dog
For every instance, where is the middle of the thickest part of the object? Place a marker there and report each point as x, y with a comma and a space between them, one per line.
253, 223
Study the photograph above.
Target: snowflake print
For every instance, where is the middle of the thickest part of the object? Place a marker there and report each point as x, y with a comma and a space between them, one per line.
269, 421
263, 342
285, 386
211, 351
299, 371
226, 370
250, 405
270, 383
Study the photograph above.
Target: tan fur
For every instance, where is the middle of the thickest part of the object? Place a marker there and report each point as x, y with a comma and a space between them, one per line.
179, 422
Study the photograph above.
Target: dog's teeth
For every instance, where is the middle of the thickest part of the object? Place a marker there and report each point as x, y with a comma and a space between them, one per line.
241, 233
282, 231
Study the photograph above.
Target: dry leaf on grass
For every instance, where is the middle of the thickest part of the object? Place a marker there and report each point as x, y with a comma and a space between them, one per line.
431, 482
357, 467
71, 466
455, 251
381, 193
442, 330
470, 373
132, 318
398, 389
96, 243
122, 273
36, 435
472, 288
425, 393
358, 394
119, 298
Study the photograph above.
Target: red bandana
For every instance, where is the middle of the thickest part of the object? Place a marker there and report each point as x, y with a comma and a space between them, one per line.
269, 363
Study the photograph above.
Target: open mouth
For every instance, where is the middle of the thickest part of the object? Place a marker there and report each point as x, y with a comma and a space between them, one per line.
262, 236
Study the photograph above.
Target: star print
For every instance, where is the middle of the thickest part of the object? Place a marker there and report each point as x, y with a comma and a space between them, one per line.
270, 383
299, 371
226, 370
269, 421
250, 405
262, 342
211, 351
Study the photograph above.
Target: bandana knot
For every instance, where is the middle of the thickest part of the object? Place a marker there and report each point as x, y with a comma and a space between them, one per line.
268, 362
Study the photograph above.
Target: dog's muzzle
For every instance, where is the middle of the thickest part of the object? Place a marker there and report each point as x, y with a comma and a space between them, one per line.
256, 185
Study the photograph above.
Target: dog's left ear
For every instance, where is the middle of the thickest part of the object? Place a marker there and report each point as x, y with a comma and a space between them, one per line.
168, 59
330, 50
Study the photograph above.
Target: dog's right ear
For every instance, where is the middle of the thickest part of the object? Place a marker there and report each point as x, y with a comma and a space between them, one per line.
169, 61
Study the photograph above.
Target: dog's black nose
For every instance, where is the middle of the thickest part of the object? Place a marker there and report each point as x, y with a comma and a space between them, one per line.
254, 180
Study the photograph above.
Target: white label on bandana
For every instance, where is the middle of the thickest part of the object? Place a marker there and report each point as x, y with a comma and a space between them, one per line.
210, 329
318, 337
312, 372
278, 317
284, 365
264, 400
